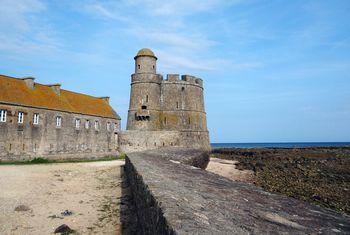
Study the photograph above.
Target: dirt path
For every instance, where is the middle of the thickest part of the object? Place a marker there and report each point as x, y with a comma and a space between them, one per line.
91, 191
227, 168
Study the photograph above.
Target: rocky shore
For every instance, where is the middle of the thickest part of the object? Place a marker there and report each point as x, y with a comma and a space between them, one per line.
317, 175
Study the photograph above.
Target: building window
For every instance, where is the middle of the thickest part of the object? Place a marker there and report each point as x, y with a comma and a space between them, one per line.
143, 107
20, 117
58, 121
164, 120
97, 125
87, 124
177, 105
116, 126
189, 120
77, 123
108, 126
146, 98
36, 119
138, 66
183, 89
3, 114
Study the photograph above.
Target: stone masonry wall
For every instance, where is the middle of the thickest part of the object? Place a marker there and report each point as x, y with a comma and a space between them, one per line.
134, 141
172, 197
26, 141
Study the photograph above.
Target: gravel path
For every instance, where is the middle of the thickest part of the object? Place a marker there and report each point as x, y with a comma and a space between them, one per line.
32, 197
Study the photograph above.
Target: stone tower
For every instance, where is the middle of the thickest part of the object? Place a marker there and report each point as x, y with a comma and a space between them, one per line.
164, 112
144, 104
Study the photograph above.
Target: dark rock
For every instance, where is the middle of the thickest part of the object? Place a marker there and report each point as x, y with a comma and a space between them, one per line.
66, 213
22, 208
64, 229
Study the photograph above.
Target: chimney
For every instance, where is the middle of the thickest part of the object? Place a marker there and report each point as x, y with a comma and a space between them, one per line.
56, 88
29, 82
105, 98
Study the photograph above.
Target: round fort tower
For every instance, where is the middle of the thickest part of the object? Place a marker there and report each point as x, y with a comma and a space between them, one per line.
144, 108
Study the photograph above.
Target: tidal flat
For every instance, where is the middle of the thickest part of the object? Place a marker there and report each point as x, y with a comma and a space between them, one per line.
319, 175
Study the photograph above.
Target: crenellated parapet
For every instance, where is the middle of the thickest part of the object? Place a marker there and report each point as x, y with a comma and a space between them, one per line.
184, 80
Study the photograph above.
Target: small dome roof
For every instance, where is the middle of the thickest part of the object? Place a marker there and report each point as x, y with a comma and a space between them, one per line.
145, 52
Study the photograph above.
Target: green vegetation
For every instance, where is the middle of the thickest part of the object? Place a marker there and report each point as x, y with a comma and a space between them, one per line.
40, 160
122, 156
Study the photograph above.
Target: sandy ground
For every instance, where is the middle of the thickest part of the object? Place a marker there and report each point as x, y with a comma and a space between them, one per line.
227, 168
92, 191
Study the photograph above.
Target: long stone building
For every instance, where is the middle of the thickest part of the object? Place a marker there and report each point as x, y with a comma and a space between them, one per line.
164, 112
47, 121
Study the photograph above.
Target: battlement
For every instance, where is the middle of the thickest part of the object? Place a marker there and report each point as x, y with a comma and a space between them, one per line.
173, 77
184, 79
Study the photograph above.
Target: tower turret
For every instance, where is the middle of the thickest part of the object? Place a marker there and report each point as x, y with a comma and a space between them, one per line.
145, 93
145, 61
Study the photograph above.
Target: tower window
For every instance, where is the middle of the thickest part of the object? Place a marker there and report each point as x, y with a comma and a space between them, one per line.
77, 123
36, 119
138, 66
189, 120
165, 121
183, 89
177, 104
87, 124
108, 126
147, 98
153, 66
20, 117
58, 121
3, 114
143, 107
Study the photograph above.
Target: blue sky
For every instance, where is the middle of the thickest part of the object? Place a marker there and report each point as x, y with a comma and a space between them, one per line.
273, 70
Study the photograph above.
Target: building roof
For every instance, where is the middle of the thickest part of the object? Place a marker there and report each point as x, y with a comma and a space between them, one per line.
145, 52
16, 91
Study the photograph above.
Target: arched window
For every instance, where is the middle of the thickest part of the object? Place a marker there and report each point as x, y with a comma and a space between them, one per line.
138, 66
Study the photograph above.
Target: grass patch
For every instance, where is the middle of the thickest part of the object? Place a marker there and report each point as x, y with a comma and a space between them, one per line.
40, 160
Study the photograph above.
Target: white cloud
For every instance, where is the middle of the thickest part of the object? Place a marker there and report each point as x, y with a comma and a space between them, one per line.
179, 7
172, 63
110, 12
22, 29
13, 14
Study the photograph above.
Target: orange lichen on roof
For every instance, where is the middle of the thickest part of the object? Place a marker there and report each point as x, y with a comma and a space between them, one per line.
15, 91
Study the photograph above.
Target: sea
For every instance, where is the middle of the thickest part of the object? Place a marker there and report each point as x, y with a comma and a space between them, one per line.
281, 145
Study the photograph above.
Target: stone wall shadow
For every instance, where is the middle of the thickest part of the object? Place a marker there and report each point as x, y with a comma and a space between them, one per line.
128, 216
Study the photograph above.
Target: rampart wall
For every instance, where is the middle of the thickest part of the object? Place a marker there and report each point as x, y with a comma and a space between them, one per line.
171, 196
133, 141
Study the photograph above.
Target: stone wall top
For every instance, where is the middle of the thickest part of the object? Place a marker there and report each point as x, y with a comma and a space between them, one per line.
193, 201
